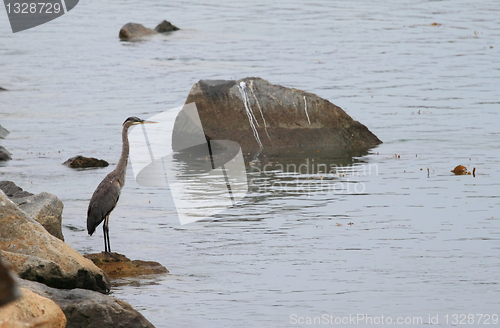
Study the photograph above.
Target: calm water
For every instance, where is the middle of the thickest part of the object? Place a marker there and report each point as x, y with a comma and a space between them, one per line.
397, 235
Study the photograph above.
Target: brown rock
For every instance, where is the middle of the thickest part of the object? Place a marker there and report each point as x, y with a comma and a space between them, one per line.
79, 162
132, 31
283, 117
36, 255
88, 309
118, 266
32, 310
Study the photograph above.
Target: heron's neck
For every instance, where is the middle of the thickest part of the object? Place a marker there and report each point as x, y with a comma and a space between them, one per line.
121, 168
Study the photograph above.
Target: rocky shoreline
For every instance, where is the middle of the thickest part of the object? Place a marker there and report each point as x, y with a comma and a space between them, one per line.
59, 286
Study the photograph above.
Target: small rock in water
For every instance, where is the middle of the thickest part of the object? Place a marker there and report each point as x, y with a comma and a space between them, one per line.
3, 89
166, 26
459, 170
79, 162
4, 154
119, 266
132, 31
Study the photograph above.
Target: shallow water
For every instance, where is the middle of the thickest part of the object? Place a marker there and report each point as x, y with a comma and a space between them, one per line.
392, 233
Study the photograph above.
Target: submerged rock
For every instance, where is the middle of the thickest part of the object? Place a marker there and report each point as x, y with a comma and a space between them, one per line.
88, 309
36, 255
3, 132
119, 266
79, 162
3, 89
165, 27
131, 31
5, 155
32, 310
257, 114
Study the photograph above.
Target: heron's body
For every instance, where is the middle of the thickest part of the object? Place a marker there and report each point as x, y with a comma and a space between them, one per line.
106, 195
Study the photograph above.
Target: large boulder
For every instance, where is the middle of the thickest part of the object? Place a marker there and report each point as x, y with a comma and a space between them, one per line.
3, 132
46, 209
88, 309
80, 162
36, 255
32, 310
260, 115
5, 155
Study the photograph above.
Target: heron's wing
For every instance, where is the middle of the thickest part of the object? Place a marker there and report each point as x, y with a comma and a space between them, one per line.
103, 201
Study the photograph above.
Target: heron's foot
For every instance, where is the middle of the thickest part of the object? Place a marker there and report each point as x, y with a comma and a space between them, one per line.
109, 254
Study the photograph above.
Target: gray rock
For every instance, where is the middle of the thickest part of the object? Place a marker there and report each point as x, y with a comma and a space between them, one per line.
79, 162
165, 27
9, 290
13, 191
46, 209
88, 309
283, 117
36, 255
134, 31
4, 154
3, 132
3, 89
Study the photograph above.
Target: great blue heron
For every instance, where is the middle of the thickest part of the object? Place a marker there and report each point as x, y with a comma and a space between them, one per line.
106, 195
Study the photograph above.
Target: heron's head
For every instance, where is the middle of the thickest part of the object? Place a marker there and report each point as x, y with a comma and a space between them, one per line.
134, 121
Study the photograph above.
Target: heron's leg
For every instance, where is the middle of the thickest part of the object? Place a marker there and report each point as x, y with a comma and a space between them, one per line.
106, 235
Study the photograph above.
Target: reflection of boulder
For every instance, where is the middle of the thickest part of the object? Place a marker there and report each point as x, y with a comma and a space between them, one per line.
5, 155
32, 310
134, 31
85, 308
79, 162
36, 255
254, 112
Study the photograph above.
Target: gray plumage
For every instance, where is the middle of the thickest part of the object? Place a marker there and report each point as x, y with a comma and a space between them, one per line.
107, 193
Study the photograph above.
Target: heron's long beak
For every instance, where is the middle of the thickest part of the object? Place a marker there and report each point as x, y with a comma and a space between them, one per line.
145, 122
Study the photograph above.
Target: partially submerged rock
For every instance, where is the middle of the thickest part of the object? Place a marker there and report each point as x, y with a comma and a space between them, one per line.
5, 155
36, 255
79, 162
85, 308
32, 310
134, 31
257, 114
165, 27
3, 89
119, 266
131, 31
3, 132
